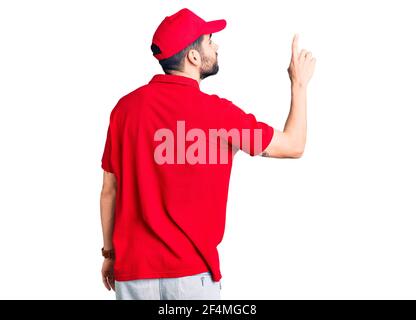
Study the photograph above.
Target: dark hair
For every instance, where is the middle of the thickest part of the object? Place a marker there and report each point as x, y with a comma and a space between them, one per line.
176, 61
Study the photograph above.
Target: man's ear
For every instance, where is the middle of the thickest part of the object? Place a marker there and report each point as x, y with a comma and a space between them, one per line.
194, 57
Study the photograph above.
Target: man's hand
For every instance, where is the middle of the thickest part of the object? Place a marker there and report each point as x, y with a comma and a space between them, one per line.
107, 273
302, 65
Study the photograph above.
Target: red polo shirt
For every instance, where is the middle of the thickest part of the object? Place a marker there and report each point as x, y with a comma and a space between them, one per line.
170, 215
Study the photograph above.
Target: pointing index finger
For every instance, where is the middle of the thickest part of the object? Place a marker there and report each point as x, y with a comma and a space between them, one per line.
295, 46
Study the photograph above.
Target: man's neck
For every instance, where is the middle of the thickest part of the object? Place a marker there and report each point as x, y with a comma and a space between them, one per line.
191, 75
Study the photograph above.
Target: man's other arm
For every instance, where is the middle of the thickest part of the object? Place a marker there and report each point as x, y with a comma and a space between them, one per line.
107, 205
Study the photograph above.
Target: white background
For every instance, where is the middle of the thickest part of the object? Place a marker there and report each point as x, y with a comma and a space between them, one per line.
338, 223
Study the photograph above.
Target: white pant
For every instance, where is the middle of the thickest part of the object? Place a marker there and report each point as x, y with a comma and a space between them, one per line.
196, 287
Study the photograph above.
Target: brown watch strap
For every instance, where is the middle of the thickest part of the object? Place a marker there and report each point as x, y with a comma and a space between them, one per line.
108, 254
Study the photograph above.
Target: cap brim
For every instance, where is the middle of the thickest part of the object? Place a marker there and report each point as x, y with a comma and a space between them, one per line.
214, 26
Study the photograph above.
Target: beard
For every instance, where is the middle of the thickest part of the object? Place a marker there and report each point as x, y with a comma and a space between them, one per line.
209, 67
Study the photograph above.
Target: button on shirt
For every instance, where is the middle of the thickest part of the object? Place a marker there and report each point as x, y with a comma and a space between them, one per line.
171, 147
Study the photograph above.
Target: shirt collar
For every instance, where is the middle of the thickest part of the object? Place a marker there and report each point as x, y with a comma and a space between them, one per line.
173, 78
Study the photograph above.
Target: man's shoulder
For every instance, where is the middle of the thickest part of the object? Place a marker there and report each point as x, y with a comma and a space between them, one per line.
135, 94
132, 97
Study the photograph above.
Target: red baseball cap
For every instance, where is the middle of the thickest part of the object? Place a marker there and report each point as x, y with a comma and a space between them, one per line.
179, 30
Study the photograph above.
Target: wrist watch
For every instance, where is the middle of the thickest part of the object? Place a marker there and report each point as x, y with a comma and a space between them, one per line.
108, 254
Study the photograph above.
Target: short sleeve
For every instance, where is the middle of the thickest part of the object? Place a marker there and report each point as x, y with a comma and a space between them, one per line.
106, 158
244, 131
110, 147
